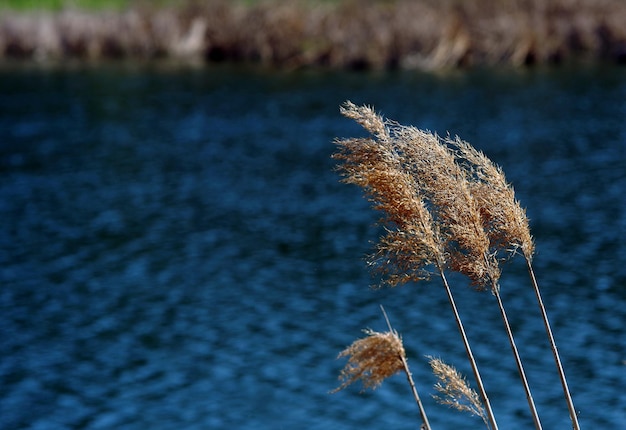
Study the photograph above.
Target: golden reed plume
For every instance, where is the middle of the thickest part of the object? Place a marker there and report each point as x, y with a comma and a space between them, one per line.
375, 358
372, 359
455, 390
503, 218
431, 214
413, 242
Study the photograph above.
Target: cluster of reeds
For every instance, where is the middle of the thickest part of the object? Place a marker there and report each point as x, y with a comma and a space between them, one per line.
345, 34
446, 207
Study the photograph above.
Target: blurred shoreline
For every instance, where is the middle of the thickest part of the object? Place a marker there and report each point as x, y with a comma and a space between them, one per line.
348, 34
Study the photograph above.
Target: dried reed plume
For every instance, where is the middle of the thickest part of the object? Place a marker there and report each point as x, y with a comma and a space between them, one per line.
375, 358
507, 225
455, 390
451, 202
372, 359
413, 241
446, 206
503, 218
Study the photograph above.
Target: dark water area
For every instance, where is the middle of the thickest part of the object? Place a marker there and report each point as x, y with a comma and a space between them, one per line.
176, 251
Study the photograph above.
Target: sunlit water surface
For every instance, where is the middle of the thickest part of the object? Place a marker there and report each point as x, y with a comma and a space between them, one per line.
177, 252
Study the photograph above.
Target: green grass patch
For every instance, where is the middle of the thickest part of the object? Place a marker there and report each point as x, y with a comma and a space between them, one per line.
54, 5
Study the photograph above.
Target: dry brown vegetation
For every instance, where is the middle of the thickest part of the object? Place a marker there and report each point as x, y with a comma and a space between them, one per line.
446, 207
344, 34
372, 359
455, 391
375, 358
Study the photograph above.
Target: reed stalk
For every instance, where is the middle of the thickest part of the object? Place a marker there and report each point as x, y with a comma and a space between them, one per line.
472, 248
481, 389
555, 352
518, 360
376, 357
508, 226
407, 371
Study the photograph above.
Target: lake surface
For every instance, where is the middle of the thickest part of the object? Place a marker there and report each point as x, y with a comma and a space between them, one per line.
177, 252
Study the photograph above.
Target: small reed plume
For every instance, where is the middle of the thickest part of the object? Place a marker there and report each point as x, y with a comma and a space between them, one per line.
375, 358
372, 359
455, 390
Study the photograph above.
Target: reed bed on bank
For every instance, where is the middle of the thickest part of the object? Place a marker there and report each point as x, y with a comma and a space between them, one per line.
426, 34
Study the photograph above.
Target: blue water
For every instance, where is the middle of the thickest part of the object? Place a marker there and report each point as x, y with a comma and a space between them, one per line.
177, 252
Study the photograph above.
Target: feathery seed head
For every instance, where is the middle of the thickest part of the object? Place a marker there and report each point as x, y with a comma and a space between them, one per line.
502, 215
441, 199
413, 241
366, 117
372, 359
456, 390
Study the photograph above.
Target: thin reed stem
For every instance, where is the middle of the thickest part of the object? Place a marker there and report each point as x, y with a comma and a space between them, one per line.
470, 355
375, 358
555, 352
426, 424
508, 228
518, 360
407, 371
